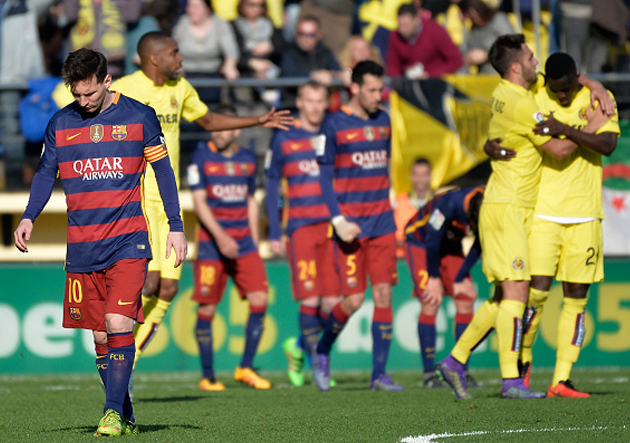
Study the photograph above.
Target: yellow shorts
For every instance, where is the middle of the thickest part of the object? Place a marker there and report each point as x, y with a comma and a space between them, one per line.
503, 231
158, 224
571, 252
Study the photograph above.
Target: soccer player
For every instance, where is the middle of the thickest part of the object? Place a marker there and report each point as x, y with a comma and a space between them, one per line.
436, 260
566, 239
507, 211
222, 177
99, 146
310, 252
159, 84
356, 156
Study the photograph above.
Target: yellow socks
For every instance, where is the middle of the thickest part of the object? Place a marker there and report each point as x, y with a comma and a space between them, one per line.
482, 323
533, 314
570, 337
509, 329
154, 312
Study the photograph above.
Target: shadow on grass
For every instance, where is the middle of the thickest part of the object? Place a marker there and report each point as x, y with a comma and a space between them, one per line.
171, 399
143, 428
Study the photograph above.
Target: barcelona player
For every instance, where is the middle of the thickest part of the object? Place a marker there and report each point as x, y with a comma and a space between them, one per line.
310, 252
99, 146
356, 156
436, 260
222, 177
506, 215
159, 84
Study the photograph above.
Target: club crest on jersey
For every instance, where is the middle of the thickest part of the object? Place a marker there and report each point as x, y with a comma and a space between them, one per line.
229, 168
309, 285
174, 103
369, 133
352, 281
518, 264
96, 133
75, 313
244, 168
119, 132
582, 114
383, 131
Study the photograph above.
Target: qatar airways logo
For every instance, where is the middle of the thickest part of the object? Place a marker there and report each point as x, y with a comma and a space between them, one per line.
370, 159
230, 192
309, 167
99, 168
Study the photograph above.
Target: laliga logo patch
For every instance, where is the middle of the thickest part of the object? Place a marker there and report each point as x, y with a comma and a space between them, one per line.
119, 132
268, 158
518, 264
75, 313
539, 116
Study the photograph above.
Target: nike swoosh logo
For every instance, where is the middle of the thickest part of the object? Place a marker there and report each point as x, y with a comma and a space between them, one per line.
351, 136
124, 303
70, 137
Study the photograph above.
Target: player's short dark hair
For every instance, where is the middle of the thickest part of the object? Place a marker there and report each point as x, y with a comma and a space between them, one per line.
422, 161
407, 9
474, 206
225, 109
366, 67
560, 65
314, 84
83, 64
505, 50
150, 37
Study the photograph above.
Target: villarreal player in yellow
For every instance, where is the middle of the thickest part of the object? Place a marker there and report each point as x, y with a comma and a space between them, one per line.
507, 212
566, 239
159, 84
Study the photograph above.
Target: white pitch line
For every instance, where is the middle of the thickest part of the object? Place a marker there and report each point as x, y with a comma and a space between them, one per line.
431, 438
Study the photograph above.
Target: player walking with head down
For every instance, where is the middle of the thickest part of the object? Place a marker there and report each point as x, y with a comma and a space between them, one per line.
159, 84
314, 279
356, 155
222, 177
99, 146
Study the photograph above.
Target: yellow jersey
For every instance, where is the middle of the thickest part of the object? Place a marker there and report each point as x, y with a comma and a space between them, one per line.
171, 101
514, 116
572, 187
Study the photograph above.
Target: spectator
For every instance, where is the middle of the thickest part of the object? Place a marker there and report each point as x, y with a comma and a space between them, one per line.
420, 48
260, 43
308, 56
102, 25
207, 46
335, 18
356, 50
487, 25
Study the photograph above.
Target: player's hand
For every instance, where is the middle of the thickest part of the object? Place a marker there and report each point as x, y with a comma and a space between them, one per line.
177, 242
347, 230
228, 246
22, 234
551, 127
497, 152
276, 119
465, 289
606, 102
278, 247
434, 292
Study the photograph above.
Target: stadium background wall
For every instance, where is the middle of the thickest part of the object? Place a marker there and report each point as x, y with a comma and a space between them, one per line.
33, 341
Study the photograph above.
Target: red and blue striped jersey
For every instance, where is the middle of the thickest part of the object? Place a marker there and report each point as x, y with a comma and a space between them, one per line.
101, 162
292, 156
228, 182
359, 150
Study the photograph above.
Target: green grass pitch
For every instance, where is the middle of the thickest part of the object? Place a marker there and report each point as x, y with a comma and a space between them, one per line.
170, 408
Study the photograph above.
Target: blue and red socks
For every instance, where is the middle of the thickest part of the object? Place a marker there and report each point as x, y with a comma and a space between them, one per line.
336, 322
120, 356
427, 335
203, 332
382, 337
253, 333
310, 327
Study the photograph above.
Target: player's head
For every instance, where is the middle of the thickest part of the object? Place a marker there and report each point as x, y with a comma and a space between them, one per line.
562, 77
474, 200
312, 102
511, 57
159, 52
408, 21
367, 85
421, 176
85, 72
225, 139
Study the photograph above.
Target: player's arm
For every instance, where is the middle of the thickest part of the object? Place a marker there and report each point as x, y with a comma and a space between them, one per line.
220, 122
273, 171
226, 244
599, 94
436, 228
253, 212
